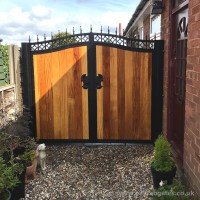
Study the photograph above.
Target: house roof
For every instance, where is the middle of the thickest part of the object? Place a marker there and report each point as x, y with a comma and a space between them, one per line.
135, 14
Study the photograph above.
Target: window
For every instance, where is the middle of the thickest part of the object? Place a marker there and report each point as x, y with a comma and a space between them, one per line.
155, 26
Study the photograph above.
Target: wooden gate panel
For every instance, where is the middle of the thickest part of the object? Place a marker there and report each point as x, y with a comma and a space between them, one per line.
124, 102
43, 96
61, 103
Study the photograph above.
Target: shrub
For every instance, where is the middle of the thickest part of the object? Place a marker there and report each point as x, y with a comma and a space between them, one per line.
175, 191
9, 174
162, 160
4, 50
27, 157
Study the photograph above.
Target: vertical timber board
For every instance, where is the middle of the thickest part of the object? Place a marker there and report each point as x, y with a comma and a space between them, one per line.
61, 103
100, 94
121, 92
145, 65
113, 94
124, 102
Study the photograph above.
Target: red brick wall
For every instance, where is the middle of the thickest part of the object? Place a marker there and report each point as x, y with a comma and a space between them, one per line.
146, 26
192, 114
191, 160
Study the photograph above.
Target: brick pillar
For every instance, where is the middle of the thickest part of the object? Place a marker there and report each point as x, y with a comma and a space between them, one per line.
146, 23
192, 114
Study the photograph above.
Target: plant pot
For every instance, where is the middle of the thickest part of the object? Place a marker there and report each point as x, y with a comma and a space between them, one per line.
159, 176
18, 151
6, 195
19, 191
31, 170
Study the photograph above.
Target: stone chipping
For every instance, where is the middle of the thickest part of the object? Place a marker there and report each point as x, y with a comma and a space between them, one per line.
94, 172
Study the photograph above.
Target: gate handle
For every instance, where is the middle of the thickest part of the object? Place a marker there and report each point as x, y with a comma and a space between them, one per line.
99, 79
84, 79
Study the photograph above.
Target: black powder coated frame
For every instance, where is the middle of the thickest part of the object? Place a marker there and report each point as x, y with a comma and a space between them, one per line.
91, 40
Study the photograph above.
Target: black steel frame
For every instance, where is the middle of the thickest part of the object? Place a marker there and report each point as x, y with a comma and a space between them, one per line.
91, 40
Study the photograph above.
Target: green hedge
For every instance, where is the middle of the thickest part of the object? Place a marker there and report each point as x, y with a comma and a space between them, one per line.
4, 65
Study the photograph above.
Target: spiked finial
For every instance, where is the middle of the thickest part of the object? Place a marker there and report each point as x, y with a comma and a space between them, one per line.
73, 31
101, 29
37, 38
29, 39
44, 37
51, 35
91, 28
80, 30
108, 30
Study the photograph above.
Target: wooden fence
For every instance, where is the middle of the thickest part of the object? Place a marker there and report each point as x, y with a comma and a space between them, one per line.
10, 94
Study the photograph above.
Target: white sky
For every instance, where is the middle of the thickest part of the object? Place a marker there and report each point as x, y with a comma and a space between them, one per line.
21, 18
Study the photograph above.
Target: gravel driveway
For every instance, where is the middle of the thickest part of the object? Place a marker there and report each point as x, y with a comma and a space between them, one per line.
93, 173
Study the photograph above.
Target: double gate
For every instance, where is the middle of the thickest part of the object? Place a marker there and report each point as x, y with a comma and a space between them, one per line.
94, 87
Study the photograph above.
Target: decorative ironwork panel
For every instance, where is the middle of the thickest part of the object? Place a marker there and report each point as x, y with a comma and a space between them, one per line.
86, 38
60, 42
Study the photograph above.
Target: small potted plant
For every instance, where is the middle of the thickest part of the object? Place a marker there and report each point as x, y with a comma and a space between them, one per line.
162, 166
12, 167
9, 177
29, 158
15, 140
25, 150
